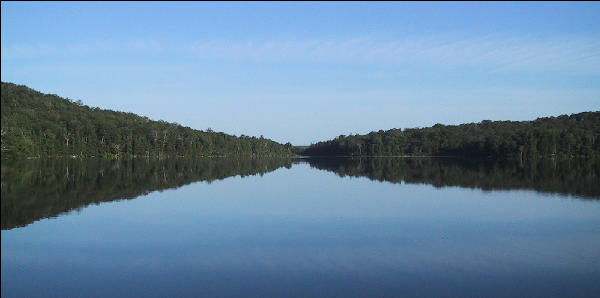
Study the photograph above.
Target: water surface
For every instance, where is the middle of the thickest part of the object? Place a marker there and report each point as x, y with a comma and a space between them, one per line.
317, 227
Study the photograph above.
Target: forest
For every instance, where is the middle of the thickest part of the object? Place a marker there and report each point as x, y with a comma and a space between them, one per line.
577, 135
43, 125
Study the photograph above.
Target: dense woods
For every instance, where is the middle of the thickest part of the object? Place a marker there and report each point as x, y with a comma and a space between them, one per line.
577, 135
42, 125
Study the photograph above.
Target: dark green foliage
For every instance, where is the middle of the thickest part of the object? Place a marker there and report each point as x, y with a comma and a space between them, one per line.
43, 188
39, 125
567, 176
577, 135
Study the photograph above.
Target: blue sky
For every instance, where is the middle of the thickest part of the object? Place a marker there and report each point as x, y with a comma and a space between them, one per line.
305, 72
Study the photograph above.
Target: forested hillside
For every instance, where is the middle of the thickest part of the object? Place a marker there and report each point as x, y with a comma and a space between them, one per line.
38, 125
577, 135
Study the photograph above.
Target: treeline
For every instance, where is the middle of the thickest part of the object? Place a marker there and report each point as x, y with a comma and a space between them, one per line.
574, 177
43, 125
44, 188
577, 135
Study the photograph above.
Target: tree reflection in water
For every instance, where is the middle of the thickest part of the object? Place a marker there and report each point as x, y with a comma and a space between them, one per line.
37, 189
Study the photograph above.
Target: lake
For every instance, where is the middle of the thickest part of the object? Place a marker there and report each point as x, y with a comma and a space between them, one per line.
343, 227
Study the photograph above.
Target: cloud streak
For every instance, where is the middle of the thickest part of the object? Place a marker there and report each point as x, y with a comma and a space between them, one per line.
491, 53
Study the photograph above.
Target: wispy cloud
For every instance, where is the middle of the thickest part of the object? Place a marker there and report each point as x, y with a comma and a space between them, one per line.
492, 53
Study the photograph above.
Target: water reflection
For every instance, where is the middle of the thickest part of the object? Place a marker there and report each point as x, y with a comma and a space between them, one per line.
32, 190
299, 232
578, 178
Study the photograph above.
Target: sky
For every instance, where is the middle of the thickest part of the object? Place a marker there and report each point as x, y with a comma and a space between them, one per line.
307, 72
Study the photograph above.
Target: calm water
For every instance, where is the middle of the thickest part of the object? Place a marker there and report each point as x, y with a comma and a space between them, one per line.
320, 227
